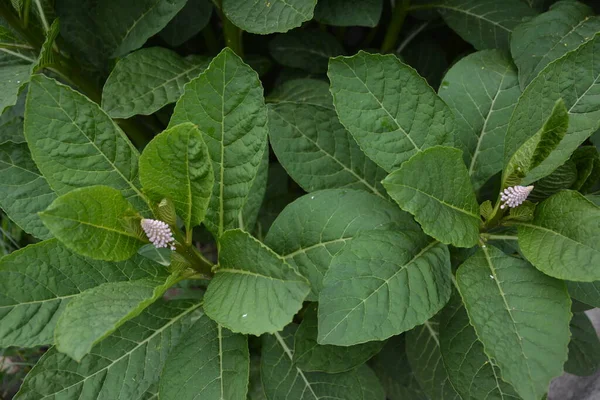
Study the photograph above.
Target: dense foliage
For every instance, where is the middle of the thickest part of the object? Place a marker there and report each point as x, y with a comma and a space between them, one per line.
299, 199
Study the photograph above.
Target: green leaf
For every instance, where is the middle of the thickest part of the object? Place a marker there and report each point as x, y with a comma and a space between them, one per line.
472, 373
563, 239
302, 91
318, 152
282, 380
531, 314
580, 67
188, 22
277, 197
248, 268
486, 24
563, 177
93, 221
98, 312
48, 57
587, 161
425, 357
389, 109
586, 292
75, 144
147, 80
435, 187
264, 17
381, 284
11, 121
548, 36
428, 57
584, 347
311, 356
38, 281
349, 12
226, 103
209, 362
161, 256
538, 147
111, 28
255, 386
122, 367
176, 165
307, 50
23, 190
314, 228
482, 109
13, 76
249, 214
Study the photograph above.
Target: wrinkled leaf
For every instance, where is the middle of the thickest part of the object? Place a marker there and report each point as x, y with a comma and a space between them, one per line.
264, 17
584, 347
192, 18
349, 12
307, 50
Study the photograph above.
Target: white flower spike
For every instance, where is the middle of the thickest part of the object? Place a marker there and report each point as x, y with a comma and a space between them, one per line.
158, 233
514, 196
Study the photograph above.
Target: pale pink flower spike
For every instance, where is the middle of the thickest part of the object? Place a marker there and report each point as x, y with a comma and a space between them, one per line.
514, 196
158, 233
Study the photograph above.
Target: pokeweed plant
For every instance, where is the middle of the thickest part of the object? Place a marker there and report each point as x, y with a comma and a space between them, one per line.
429, 246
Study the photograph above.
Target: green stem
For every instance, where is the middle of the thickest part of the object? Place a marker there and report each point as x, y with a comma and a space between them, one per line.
233, 34
192, 255
489, 236
398, 17
210, 39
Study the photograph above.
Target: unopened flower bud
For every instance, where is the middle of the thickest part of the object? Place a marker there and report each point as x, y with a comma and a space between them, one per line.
514, 196
159, 233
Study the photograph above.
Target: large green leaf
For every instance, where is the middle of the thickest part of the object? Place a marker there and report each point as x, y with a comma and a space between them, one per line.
581, 68
428, 56
586, 292
226, 103
192, 18
318, 152
147, 80
23, 190
584, 347
472, 373
349, 12
75, 144
176, 165
587, 162
111, 28
307, 50
311, 356
482, 90
536, 43
94, 221
311, 230
435, 187
122, 367
99, 311
381, 284
563, 239
389, 109
254, 290
521, 317
425, 357
209, 362
256, 196
11, 121
302, 91
13, 76
282, 380
264, 17
486, 24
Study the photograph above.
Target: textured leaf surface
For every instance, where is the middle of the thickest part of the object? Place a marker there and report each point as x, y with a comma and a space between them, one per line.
486, 24
318, 152
121, 367
264, 17
563, 239
226, 103
311, 230
471, 372
209, 362
147, 80
307, 50
92, 221
482, 109
381, 284
254, 290
189, 21
311, 356
12, 78
536, 43
11, 121
425, 357
98, 312
112, 28
349, 13
520, 315
584, 347
23, 190
389, 109
284, 381
427, 56
75, 144
34, 291
586, 292
574, 78
176, 165
302, 91
256, 196
435, 187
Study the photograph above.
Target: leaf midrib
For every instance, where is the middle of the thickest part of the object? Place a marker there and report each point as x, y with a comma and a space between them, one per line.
439, 200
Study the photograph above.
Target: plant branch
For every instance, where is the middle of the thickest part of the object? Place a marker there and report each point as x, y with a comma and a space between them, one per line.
233, 34
489, 236
398, 17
